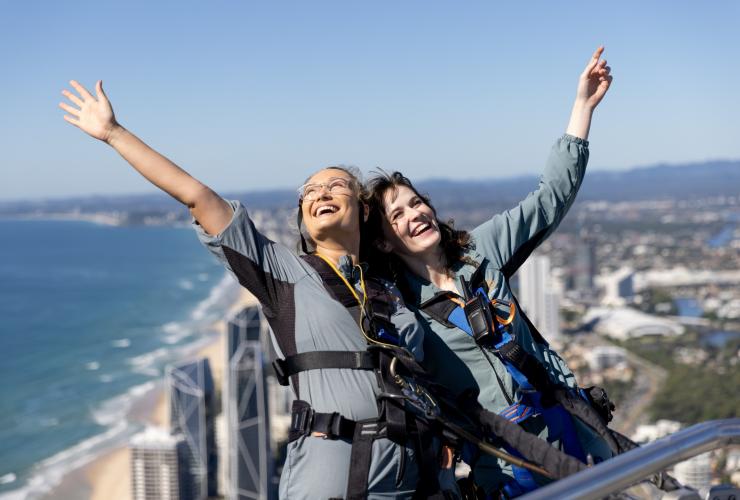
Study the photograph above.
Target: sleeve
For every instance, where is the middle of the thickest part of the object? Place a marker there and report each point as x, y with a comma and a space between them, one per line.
410, 330
508, 238
265, 268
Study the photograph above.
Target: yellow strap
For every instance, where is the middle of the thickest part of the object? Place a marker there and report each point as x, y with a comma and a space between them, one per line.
354, 293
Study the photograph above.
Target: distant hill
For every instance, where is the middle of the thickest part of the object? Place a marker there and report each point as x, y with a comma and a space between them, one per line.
696, 180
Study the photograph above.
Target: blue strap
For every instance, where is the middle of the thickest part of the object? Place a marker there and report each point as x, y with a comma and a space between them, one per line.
560, 426
457, 318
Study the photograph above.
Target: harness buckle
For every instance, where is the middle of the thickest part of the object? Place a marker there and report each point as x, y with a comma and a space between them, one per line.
303, 421
334, 428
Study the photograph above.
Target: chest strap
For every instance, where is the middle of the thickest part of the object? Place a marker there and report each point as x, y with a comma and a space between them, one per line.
314, 360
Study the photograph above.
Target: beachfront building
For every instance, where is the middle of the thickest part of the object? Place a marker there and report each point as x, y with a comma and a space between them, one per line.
156, 465
623, 323
539, 296
251, 461
192, 401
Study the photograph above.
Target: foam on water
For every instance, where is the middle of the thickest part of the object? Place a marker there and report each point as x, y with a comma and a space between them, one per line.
113, 413
50, 472
185, 284
116, 409
217, 294
176, 332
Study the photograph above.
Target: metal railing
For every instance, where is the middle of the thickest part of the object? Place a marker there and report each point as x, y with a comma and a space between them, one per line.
636, 465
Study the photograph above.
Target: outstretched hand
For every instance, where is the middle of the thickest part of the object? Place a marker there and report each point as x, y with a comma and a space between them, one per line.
93, 114
594, 81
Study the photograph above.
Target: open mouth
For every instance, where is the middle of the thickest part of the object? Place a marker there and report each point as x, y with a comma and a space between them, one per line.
421, 229
326, 209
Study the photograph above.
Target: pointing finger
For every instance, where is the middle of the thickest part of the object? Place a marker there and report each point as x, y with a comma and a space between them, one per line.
81, 90
594, 60
69, 95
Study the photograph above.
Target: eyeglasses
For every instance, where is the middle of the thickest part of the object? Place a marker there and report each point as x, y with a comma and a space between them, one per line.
335, 185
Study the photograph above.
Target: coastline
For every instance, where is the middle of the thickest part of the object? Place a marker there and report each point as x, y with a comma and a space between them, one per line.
108, 476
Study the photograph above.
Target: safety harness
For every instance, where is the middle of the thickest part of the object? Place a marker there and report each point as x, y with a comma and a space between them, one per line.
537, 393
392, 422
411, 407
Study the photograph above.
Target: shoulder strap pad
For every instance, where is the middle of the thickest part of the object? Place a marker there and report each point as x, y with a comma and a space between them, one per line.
333, 283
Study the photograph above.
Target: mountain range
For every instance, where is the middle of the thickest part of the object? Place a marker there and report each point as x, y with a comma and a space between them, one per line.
687, 181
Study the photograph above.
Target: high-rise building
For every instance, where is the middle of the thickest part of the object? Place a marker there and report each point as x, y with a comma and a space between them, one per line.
192, 414
539, 296
156, 465
584, 266
251, 461
695, 472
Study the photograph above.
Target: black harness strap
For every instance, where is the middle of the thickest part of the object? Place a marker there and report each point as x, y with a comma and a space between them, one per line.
333, 283
312, 360
361, 454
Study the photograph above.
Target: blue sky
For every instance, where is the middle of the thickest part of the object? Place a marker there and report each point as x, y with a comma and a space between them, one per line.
248, 95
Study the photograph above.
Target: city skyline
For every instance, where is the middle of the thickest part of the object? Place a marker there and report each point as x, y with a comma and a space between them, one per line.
256, 96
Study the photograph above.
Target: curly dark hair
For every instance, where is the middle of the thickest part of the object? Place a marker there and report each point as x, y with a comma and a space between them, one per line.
454, 242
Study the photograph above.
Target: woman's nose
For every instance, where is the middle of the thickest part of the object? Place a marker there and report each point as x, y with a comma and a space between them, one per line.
324, 192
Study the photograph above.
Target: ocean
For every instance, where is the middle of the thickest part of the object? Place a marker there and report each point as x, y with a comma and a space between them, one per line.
90, 315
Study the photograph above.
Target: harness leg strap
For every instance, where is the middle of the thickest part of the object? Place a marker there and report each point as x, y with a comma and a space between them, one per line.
360, 457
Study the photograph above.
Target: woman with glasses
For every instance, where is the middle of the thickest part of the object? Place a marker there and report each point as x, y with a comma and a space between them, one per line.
302, 314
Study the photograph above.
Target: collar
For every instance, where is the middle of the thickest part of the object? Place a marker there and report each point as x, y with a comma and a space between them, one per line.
424, 290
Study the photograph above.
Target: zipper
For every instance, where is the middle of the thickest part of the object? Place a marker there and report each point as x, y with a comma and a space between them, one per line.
509, 399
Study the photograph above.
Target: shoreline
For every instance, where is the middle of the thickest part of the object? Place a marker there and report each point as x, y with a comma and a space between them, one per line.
108, 476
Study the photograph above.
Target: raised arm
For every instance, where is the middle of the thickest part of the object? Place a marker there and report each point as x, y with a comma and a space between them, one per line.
510, 237
94, 116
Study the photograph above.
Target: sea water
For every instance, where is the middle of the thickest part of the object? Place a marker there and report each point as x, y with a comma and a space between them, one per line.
90, 315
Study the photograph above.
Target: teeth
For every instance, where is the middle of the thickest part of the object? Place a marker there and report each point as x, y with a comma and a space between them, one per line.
421, 228
326, 209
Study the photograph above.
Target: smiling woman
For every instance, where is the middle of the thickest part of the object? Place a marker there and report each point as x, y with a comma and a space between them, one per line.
339, 447
478, 340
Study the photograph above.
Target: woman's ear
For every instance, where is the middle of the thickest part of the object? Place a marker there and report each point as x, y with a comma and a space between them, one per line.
365, 212
383, 246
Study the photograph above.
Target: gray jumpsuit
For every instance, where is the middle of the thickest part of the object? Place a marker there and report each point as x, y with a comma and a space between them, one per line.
304, 317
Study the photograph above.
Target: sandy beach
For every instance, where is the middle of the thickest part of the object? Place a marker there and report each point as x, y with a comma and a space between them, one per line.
109, 476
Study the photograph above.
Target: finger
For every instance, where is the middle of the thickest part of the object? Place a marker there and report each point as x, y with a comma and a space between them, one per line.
71, 120
81, 90
597, 69
99, 90
594, 59
69, 109
69, 95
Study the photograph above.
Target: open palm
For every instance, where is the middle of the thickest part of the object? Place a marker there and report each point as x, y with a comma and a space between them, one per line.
93, 115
